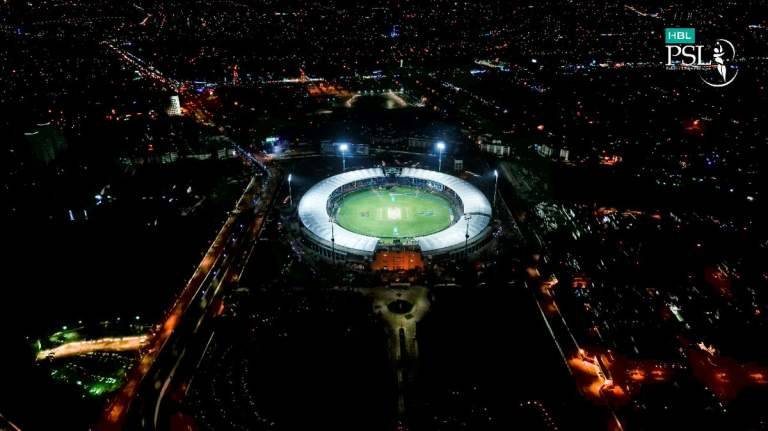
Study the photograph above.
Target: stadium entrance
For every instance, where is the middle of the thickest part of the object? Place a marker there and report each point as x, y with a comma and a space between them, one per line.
397, 260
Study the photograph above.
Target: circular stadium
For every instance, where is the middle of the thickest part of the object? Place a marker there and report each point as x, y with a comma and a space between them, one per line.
358, 213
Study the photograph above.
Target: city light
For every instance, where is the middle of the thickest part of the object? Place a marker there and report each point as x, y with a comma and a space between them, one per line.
613, 203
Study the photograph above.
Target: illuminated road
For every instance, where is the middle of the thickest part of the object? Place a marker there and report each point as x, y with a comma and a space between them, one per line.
192, 102
592, 378
5, 424
138, 402
403, 347
113, 344
143, 68
393, 100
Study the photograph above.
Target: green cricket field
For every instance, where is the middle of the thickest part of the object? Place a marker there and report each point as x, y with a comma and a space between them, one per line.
394, 212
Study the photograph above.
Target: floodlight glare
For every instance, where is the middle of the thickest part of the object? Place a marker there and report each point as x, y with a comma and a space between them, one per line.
440, 147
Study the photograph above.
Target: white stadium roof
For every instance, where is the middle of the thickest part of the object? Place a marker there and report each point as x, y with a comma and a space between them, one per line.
313, 211
314, 215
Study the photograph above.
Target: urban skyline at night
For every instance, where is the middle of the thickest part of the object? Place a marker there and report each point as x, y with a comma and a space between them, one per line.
396, 215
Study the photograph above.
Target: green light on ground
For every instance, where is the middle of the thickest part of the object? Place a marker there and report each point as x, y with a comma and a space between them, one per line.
91, 379
65, 336
99, 389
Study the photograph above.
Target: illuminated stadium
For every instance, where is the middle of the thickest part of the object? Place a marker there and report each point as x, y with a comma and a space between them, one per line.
358, 213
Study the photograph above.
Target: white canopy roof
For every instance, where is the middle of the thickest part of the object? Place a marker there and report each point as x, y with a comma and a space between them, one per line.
314, 215
313, 211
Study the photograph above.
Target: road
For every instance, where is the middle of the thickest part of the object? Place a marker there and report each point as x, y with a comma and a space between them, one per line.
137, 404
109, 344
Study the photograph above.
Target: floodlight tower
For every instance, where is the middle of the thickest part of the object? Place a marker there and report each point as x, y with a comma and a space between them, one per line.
333, 241
440, 145
495, 186
290, 194
467, 217
344, 147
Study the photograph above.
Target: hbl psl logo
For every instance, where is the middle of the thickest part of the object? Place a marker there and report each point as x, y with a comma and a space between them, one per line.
716, 65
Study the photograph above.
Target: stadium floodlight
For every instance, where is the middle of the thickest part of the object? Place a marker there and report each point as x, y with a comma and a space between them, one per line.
495, 187
467, 218
343, 147
333, 240
440, 148
290, 194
